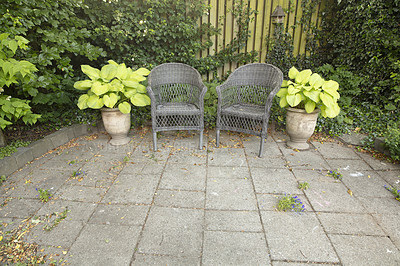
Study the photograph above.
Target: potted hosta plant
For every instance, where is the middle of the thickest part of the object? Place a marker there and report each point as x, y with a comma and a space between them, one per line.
113, 89
305, 95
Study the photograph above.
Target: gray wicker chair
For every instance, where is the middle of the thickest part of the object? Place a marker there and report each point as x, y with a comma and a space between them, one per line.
245, 99
177, 99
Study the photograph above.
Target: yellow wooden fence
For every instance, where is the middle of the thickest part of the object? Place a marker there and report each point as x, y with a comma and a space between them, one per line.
261, 27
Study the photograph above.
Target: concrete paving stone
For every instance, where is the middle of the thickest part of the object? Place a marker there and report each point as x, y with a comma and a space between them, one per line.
54, 164
348, 165
184, 176
230, 194
363, 183
356, 250
8, 165
52, 254
266, 162
377, 164
239, 221
274, 181
119, 214
291, 236
96, 179
390, 224
173, 231
190, 141
145, 259
331, 150
104, 245
252, 147
380, 205
314, 176
180, 199
235, 248
133, 179
81, 193
147, 168
63, 234
286, 263
23, 155
228, 172
77, 153
188, 156
226, 139
269, 202
310, 159
141, 191
227, 157
392, 177
333, 197
350, 224
9, 224
77, 211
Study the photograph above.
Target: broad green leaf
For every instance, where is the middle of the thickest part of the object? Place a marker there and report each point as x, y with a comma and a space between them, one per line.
327, 99
309, 106
316, 81
13, 45
140, 99
91, 72
112, 62
142, 71
4, 36
122, 72
284, 84
135, 77
124, 107
292, 90
108, 72
293, 100
99, 89
293, 73
110, 100
331, 88
331, 111
282, 92
95, 102
4, 123
303, 77
141, 88
116, 85
307, 88
129, 92
313, 95
82, 101
130, 83
83, 84
283, 103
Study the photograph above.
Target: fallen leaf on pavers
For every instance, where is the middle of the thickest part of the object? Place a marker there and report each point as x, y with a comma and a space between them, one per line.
350, 192
185, 169
28, 181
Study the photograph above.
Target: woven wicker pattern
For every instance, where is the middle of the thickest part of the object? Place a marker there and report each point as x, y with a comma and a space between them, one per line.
177, 99
245, 99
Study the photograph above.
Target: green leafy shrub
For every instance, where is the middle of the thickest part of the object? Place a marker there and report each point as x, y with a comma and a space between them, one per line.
392, 141
12, 147
210, 104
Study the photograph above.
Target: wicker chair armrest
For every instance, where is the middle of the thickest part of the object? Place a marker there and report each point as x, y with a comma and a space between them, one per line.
151, 95
271, 96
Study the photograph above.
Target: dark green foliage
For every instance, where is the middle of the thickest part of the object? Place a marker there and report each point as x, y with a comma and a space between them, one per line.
210, 105
392, 141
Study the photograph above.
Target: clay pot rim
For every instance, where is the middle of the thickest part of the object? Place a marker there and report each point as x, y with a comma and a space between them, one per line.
300, 110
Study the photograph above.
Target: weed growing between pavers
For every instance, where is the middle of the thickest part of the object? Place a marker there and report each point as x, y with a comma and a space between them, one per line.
303, 185
396, 193
336, 175
3, 178
58, 219
44, 195
290, 203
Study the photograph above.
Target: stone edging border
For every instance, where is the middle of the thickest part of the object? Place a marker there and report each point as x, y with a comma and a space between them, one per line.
17, 160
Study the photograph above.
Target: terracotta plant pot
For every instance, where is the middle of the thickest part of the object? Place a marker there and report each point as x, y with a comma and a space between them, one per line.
300, 126
117, 124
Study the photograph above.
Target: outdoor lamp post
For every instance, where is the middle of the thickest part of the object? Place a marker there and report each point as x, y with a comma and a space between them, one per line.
278, 15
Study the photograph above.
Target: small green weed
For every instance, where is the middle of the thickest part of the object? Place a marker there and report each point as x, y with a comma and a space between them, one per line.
3, 178
77, 173
59, 217
396, 193
336, 175
303, 185
290, 203
126, 159
44, 195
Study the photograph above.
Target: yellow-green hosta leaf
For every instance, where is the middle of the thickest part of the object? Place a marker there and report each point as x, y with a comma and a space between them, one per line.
293, 73
282, 92
82, 101
284, 84
307, 88
313, 95
327, 99
304, 76
83, 85
108, 72
112, 62
129, 92
122, 71
124, 107
110, 100
142, 71
293, 100
116, 85
309, 106
283, 103
95, 102
99, 89
131, 83
331, 111
141, 88
331, 88
135, 77
292, 90
91, 72
140, 99
316, 81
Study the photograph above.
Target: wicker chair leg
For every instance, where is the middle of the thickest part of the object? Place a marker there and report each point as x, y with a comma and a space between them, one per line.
201, 140
260, 154
154, 141
217, 140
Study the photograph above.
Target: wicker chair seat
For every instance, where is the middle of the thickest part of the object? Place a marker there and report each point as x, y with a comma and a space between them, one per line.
251, 111
177, 108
